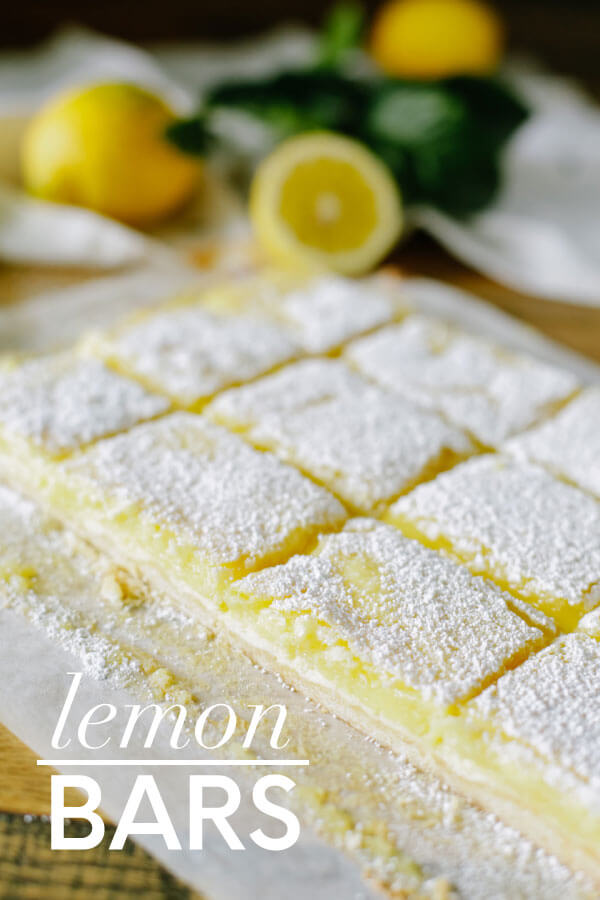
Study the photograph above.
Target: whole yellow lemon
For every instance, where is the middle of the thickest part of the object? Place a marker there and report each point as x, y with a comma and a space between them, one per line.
436, 38
104, 147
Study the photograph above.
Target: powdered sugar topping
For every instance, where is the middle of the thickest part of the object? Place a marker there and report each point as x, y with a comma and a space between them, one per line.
569, 444
477, 385
514, 521
550, 703
190, 352
364, 442
405, 608
62, 402
207, 487
329, 310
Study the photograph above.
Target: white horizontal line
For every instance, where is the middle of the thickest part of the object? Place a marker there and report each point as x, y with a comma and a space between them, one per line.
173, 762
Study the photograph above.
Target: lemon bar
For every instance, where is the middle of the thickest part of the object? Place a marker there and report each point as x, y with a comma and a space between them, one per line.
188, 501
477, 385
329, 310
363, 442
189, 353
54, 405
512, 521
397, 619
569, 444
544, 719
80, 599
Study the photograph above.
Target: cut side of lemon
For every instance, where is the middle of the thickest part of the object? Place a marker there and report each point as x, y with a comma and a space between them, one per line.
324, 201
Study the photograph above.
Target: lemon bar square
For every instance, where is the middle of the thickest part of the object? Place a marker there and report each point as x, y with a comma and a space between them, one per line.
189, 352
329, 310
543, 719
569, 444
387, 614
515, 523
477, 385
363, 442
54, 405
190, 503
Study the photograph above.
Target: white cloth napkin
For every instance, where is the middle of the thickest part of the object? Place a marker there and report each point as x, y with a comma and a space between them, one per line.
542, 236
51, 234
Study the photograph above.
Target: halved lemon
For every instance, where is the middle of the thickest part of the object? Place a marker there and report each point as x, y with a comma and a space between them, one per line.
321, 200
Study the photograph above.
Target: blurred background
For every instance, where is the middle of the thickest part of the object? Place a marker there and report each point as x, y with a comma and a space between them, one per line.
534, 239
564, 33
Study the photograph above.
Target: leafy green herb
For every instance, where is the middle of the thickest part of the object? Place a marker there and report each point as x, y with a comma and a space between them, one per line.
443, 140
192, 136
296, 101
341, 33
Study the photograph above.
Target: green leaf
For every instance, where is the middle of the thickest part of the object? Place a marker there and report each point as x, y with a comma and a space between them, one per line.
297, 101
442, 140
192, 136
342, 32
413, 113
492, 104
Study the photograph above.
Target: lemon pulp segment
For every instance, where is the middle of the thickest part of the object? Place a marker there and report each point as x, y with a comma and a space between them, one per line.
328, 205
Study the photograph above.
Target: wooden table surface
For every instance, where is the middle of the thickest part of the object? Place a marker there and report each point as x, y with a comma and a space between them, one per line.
25, 789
